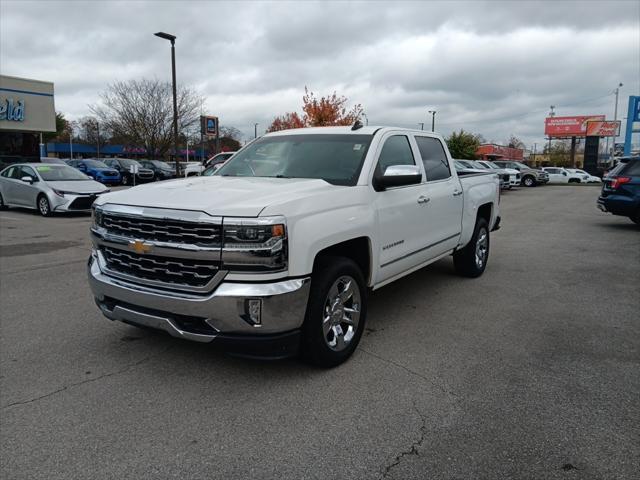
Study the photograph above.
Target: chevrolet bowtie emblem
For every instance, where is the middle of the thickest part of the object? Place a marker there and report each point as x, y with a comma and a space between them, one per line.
139, 246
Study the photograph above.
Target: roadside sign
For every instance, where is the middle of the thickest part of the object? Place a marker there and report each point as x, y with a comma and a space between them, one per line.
603, 129
133, 169
209, 126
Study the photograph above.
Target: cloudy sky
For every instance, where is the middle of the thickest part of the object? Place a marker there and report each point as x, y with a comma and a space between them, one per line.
489, 67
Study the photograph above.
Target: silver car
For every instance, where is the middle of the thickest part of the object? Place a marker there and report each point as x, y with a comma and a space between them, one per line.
48, 188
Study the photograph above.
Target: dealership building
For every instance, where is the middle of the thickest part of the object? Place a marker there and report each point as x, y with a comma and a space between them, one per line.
27, 109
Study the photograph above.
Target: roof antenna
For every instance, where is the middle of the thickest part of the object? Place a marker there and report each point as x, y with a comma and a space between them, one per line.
357, 125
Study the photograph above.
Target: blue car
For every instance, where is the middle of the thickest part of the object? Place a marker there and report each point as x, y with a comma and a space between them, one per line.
97, 170
621, 190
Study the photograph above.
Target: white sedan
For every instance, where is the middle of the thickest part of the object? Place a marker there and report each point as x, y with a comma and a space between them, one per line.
563, 175
48, 188
590, 178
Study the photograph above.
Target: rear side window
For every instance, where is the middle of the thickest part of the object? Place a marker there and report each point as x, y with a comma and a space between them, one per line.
434, 158
396, 151
632, 168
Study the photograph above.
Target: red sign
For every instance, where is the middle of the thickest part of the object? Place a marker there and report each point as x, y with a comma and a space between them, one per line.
603, 129
569, 126
499, 152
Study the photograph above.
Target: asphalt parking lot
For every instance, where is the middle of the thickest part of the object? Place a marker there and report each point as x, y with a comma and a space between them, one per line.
531, 371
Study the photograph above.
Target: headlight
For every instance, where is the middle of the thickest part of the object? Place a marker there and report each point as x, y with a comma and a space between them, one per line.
60, 193
96, 216
254, 244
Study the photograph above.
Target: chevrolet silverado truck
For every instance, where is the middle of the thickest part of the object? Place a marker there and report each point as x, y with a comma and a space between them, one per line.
276, 253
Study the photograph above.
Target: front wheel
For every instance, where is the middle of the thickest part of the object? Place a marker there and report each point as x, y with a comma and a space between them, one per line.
471, 261
3, 206
529, 182
636, 218
336, 312
44, 208
125, 180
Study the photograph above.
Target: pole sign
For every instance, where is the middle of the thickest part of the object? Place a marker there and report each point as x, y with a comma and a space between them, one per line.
633, 122
209, 126
569, 126
603, 129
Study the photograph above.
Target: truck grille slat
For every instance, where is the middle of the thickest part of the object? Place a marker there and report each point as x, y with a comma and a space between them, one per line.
163, 230
195, 273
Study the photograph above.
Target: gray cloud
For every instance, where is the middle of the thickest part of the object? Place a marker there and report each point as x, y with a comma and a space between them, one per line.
490, 67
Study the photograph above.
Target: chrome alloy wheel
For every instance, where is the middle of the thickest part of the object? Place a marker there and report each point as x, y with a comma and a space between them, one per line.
341, 313
43, 205
482, 247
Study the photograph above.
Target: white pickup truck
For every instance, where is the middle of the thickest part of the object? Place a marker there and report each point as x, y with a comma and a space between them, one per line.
276, 253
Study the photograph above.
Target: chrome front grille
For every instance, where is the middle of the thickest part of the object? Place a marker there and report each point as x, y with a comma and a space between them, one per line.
166, 270
163, 230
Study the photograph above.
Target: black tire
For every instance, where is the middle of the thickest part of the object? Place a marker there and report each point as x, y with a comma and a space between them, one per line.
2, 205
574, 180
125, 180
636, 218
43, 206
465, 261
528, 181
315, 347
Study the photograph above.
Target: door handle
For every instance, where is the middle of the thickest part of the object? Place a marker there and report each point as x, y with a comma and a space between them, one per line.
422, 199
457, 192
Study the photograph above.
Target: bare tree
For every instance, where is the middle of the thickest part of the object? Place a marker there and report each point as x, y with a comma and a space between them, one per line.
515, 142
141, 113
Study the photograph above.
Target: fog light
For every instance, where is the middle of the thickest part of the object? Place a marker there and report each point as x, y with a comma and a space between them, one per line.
253, 311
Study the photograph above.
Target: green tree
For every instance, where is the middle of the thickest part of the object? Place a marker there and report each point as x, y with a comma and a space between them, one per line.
62, 127
463, 145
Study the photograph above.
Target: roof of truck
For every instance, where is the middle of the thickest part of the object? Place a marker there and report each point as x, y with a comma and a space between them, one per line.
367, 130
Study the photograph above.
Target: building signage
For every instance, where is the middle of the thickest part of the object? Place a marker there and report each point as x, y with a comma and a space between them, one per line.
12, 110
499, 152
569, 126
603, 129
209, 126
26, 105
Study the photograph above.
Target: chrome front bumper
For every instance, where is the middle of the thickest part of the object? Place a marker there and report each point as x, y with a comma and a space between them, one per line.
199, 317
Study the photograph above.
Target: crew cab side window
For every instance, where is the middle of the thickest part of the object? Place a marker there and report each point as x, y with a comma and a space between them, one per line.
396, 151
434, 159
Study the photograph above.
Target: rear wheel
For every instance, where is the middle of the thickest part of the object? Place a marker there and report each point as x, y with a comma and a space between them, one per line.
44, 208
125, 180
2, 204
529, 181
336, 312
471, 261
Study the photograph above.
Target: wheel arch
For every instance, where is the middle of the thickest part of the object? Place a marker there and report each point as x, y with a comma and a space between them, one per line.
357, 249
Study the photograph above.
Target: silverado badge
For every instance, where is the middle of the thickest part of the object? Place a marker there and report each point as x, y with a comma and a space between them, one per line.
139, 246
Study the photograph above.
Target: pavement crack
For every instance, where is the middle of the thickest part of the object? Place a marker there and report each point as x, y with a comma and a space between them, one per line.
124, 369
411, 372
412, 450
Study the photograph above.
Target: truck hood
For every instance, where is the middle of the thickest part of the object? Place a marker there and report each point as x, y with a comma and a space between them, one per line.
219, 196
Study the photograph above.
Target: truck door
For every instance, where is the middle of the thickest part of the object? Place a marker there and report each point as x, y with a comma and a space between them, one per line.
442, 217
400, 213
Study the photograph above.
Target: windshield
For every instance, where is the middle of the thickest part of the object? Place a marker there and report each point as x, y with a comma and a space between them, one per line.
521, 165
493, 165
162, 165
54, 173
95, 164
128, 162
335, 158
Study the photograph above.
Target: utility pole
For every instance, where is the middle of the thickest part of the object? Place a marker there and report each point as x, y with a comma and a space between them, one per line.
433, 120
551, 114
615, 117
255, 130
98, 139
421, 125
172, 39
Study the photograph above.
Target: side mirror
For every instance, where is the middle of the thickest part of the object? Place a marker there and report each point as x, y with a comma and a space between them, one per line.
28, 180
398, 176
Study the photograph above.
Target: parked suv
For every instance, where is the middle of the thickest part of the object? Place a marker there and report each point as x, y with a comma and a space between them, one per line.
621, 190
123, 165
529, 177
97, 170
161, 170
564, 175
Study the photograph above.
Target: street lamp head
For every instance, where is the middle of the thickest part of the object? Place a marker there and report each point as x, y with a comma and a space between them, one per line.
166, 36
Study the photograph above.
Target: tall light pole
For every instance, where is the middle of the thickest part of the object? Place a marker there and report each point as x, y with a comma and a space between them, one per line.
421, 125
172, 39
433, 120
255, 130
98, 139
615, 117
